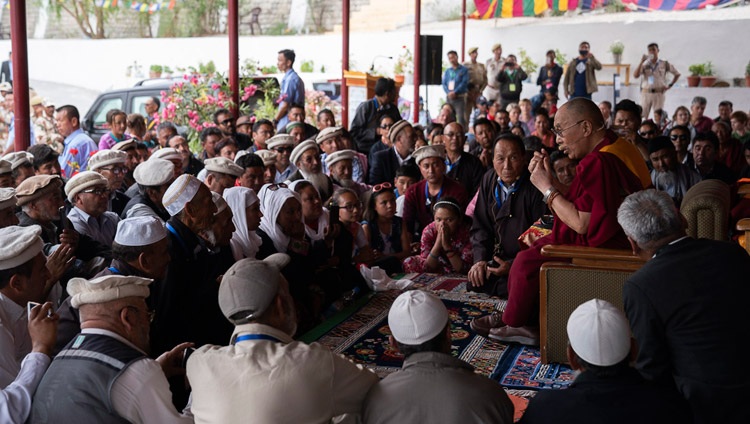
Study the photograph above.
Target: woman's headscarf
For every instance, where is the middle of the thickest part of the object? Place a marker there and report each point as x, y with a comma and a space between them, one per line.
271, 202
314, 234
245, 243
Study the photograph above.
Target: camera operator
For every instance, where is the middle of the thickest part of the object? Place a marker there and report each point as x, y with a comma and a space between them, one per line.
510, 81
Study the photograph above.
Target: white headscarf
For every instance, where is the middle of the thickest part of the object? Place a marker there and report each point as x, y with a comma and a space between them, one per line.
245, 243
319, 233
271, 204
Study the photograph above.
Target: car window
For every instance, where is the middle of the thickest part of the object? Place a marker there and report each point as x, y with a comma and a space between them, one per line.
100, 116
137, 105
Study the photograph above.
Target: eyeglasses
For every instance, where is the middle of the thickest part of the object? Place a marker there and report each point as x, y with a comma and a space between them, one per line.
116, 169
380, 187
678, 137
284, 149
150, 313
646, 133
559, 132
97, 191
274, 187
386, 126
351, 206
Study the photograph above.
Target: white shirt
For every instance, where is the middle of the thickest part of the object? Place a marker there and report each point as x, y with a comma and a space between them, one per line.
141, 393
15, 342
399, 158
101, 229
283, 176
15, 402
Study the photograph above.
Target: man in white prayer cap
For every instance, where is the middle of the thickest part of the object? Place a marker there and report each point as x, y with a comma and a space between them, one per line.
123, 384
433, 386
607, 389
8, 202
152, 178
306, 157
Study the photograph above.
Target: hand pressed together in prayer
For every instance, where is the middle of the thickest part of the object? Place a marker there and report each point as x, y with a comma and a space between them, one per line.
541, 171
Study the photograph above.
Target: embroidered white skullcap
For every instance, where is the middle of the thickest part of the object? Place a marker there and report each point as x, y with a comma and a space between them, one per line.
397, 128
249, 286
599, 333
431, 151
219, 201
302, 148
168, 153
140, 231
338, 156
125, 145
179, 193
154, 172
103, 158
17, 159
106, 289
7, 197
280, 140
223, 165
5, 167
328, 133
33, 188
20, 245
83, 181
240, 154
268, 156
5, 86
416, 317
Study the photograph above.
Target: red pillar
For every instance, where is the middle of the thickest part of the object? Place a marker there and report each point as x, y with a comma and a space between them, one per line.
20, 74
417, 57
463, 31
234, 54
345, 63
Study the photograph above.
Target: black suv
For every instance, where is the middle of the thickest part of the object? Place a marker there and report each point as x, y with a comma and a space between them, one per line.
132, 100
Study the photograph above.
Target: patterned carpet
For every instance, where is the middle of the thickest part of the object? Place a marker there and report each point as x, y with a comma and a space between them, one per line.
362, 335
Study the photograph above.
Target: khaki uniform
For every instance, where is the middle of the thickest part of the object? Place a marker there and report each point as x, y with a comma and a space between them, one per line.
491, 91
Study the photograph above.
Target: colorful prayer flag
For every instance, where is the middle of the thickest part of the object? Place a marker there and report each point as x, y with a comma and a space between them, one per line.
674, 4
487, 9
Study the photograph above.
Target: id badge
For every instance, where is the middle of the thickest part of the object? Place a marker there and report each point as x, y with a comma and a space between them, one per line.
651, 80
512, 87
451, 85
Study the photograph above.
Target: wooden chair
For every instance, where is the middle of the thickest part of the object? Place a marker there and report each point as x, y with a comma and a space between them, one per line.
593, 273
254, 20
743, 226
706, 208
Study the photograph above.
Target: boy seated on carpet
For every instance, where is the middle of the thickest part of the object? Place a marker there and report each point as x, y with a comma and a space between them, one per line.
607, 388
433, 386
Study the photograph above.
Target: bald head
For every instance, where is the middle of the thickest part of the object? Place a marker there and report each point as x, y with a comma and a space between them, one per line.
579, 126
581, 108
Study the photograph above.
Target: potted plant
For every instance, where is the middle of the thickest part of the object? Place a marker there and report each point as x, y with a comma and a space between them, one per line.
696, 70
747, 75
404, 65
155, 71
168, 72
707, 78
616, 49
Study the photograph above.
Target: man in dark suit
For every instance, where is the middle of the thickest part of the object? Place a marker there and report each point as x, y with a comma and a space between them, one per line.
687, 309
385, 163
6, 70
462, 166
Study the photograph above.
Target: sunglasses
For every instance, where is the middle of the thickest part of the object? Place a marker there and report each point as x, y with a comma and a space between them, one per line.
678, 137
274, 187
284, 149
116, 169
386, 126
97, 191
646, 133
381, 187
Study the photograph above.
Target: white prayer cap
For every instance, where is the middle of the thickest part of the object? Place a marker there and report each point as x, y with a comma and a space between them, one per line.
599, 333
416, 317
167, 153
268, 156
5, 167
33, 188
103, 158
17, 159
82, 181
20, 245
338, 156
7, 198
328, 133
302, 148
219, 201
249, 286
140, 231
432, 151
240, 154
5, 86
223, 165
154, 172
125, 145
180, 192
106, 289
280, 140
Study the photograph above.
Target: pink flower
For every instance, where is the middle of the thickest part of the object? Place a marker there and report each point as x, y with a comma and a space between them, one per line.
215, 86
185, 77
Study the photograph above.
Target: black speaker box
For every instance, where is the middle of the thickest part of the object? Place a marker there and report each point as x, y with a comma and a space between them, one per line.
431, 59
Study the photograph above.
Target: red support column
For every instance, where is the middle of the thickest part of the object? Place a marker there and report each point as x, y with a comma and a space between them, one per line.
345, 63
463, 31
417, 57
234, 54
20, 74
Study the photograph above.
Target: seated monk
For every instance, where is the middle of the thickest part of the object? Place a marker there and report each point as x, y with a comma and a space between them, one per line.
585, 216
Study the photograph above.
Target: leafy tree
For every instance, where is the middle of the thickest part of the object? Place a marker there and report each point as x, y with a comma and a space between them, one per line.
90, 18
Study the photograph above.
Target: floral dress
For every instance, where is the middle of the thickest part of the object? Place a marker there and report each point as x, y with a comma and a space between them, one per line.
461, 244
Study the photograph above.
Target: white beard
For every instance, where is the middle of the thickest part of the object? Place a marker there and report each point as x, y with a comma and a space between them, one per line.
319, 180
209, 236
347, 183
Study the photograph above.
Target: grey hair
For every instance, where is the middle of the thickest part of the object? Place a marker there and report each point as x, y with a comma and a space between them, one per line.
699, 100
649, 216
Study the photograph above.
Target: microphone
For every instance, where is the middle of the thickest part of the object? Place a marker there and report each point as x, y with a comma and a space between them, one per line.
372, 65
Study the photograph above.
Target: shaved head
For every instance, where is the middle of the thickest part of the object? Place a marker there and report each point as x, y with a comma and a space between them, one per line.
584, 109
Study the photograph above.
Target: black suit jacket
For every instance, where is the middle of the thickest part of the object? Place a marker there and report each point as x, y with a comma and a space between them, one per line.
687, 308
5, 72
468, 171
384, 166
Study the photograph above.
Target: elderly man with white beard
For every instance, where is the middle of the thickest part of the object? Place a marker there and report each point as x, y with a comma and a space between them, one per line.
340, 166
669, 175
306, 157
